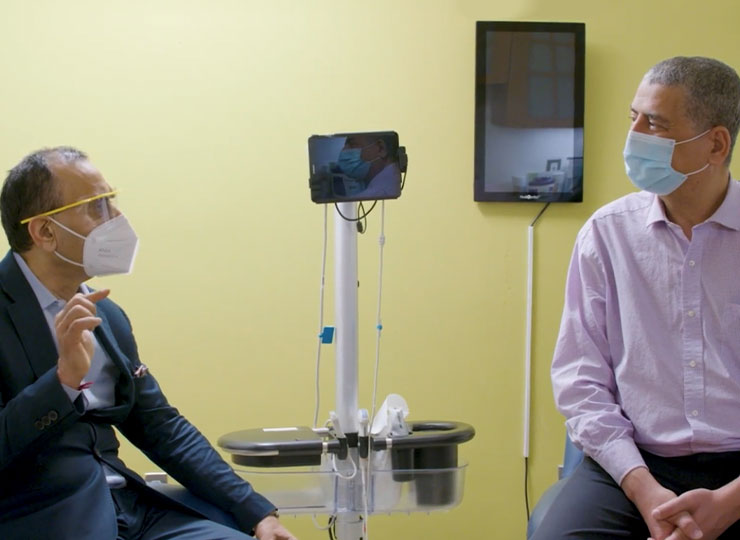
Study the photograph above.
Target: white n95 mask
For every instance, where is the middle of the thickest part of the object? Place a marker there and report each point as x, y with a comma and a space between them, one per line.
647, 160
110, 248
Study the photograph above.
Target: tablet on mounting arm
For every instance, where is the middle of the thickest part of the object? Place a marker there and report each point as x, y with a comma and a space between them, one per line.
349, 167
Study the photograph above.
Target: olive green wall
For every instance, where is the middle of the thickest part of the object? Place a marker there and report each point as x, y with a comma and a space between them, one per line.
199, 111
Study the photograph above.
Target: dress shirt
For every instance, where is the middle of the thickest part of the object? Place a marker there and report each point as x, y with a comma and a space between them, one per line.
385, 184
648, 355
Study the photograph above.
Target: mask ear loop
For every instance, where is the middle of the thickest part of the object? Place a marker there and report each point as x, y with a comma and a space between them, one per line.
70, 231
368, 146
700, 135
697, 171
693, 138
70, 261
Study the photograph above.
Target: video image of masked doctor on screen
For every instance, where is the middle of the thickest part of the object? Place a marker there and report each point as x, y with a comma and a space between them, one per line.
354, 167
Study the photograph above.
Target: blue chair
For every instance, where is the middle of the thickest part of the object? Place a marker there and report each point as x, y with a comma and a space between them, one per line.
571, 459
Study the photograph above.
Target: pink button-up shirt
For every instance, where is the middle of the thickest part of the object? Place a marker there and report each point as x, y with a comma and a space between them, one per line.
648, 354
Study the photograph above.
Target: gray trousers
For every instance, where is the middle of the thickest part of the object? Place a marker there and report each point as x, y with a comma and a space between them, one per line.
591, 506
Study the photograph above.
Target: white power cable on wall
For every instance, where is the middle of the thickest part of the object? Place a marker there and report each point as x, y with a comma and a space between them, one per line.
528, 333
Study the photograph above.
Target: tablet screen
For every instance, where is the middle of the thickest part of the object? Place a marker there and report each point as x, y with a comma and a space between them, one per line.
354, 167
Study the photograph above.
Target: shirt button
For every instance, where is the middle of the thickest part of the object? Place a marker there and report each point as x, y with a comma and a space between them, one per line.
694, 413
692, 364
692, 263
690, 313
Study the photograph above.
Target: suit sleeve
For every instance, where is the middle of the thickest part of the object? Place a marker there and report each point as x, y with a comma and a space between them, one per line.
31, 418
173, 443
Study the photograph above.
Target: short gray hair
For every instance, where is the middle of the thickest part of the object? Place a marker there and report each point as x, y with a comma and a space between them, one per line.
712, 91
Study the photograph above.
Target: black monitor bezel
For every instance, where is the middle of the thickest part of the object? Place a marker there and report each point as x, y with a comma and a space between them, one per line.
482, 28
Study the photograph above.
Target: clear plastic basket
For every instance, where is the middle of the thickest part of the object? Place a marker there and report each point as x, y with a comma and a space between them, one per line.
321, 490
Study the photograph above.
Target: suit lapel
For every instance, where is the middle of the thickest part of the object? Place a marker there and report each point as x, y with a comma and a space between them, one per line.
27, 317
125, 384
30, 324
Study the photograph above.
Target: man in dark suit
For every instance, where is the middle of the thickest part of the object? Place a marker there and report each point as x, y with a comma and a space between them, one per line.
70, 371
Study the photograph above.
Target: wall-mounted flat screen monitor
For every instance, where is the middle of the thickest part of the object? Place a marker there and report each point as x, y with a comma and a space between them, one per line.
529, 90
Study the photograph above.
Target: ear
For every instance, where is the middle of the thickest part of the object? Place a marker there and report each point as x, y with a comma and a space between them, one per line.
42, 234
721, 141
382, 148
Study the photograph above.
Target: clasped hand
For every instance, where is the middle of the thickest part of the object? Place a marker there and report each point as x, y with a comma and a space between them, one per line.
697, 514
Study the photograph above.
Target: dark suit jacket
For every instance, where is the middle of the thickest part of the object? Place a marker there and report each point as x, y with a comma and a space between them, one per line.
51, 482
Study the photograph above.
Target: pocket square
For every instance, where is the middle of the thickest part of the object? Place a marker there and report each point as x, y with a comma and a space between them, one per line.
141, 371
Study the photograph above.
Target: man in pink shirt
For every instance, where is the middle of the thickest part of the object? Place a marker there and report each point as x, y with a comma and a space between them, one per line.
647, 364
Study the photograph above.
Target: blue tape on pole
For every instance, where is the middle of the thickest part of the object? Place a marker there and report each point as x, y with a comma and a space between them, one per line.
327, 334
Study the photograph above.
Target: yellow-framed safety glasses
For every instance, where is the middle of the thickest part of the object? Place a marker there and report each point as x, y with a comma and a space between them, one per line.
103, 197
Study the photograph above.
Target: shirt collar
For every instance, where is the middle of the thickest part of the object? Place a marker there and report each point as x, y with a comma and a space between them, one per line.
727, 215
656, 212
45, 297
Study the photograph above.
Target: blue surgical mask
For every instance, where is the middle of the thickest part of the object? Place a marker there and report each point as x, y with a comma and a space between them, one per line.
350, 162
647, 159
